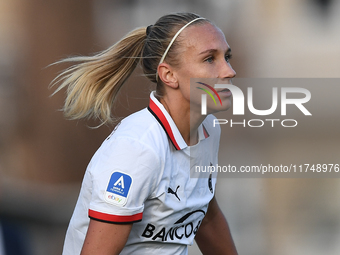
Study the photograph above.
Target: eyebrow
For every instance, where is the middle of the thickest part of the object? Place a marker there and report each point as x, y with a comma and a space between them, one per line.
213, 50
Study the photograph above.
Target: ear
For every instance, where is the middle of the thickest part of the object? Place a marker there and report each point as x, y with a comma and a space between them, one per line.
167, 75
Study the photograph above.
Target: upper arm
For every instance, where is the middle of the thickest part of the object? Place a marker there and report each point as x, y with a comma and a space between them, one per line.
213, 236
105, 238
213, 211
122, 178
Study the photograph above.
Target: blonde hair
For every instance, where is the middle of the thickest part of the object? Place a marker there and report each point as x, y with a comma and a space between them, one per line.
94, 82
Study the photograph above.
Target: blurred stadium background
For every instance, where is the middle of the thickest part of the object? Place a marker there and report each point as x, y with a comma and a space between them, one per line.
43, 156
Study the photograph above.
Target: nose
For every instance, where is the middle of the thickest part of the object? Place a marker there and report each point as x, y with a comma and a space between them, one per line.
226, 71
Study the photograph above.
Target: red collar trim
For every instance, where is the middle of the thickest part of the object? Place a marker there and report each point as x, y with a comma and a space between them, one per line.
158, 114
206, 134
170, 128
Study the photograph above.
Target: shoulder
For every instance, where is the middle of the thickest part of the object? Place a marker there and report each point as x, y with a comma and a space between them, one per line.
129, 153
137, 142
140, 128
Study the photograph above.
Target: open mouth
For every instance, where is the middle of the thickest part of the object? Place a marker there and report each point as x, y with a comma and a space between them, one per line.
224, 90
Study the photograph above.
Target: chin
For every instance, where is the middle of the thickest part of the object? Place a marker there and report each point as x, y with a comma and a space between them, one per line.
218, 109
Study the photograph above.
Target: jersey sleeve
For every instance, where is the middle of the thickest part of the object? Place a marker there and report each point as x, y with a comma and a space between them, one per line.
124, 173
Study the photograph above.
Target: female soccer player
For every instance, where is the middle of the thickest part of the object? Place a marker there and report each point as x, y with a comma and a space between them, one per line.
137, 196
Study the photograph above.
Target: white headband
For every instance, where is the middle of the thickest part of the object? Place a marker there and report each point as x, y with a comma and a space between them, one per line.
172, 41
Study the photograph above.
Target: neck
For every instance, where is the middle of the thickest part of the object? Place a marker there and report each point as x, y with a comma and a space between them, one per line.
186, 121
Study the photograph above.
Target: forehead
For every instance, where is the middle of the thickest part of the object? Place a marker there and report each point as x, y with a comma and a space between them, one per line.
202, 37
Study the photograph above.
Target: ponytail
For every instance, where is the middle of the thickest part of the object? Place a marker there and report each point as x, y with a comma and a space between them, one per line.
94, 82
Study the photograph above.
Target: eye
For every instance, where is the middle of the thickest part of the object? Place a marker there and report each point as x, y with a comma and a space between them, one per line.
228, 57
209, 59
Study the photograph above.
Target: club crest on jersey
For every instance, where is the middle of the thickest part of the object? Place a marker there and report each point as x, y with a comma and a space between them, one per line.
118, 188
210, 181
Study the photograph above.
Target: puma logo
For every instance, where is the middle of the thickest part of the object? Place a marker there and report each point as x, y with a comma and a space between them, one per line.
174, 192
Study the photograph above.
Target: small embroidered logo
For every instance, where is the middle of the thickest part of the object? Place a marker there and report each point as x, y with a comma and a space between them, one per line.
174, 192
210, 181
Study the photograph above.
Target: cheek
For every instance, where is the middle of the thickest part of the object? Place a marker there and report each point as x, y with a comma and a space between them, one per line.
195, 96
196, 103
183, 77
186, 90
185, 74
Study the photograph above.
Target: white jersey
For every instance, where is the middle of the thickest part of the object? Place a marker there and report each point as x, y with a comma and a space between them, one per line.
141, 174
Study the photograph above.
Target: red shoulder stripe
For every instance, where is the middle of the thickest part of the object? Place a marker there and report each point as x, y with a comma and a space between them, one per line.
115, 218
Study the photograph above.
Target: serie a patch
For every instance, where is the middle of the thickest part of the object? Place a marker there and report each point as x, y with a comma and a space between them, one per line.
118, 188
